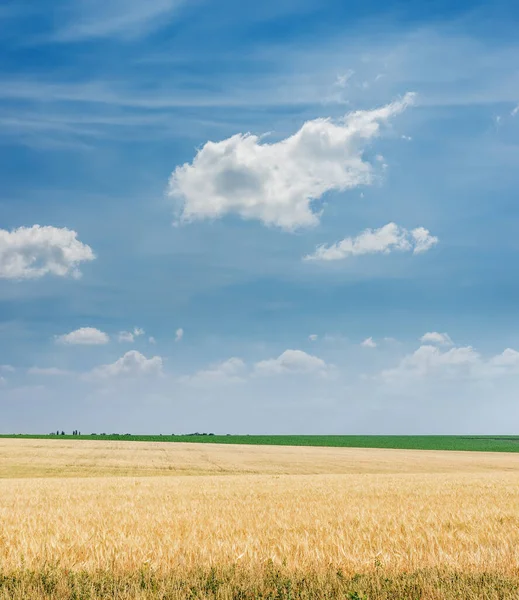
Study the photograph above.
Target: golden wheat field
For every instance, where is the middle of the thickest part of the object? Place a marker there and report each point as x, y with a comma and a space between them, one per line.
85, 519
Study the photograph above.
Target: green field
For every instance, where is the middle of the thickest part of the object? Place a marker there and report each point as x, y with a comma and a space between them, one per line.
409, 442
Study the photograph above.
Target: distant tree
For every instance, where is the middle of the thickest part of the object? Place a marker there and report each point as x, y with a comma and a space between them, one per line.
62, 433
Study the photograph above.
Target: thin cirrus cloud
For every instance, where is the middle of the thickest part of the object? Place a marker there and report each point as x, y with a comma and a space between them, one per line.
386, 239
132, 364
84, 336
278, 183
32, 252
126, 19
47, 371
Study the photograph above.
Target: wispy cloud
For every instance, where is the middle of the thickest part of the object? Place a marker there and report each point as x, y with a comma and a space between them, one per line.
387, 239
127, 19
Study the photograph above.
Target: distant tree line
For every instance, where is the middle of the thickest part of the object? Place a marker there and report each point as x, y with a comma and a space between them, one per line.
77, 432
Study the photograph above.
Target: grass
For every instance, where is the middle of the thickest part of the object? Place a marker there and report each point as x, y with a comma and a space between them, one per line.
277, 523
270, 583
488, 443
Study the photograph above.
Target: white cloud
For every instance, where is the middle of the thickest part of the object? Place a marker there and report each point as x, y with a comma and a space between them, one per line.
457, 362
179, 334
313, 337
129, 336
125, 336
277, 183
433, 337
422, 240
84, 336
427, 360
32, 252
291, 361
369, 343
389, 238
46, 371
152, 340
132, 364
7, 368
232, 370
508, 358
506, 363
515, 111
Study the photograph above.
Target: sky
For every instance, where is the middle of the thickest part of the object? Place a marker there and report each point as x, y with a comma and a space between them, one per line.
279, 217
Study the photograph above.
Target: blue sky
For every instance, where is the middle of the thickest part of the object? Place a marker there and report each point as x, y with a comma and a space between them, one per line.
303, 189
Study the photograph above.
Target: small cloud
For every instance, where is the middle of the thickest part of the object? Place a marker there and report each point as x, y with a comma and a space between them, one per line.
7, 369
125, 336
132, 364
84, 336
313, 337
433, 337
32, 252
369, 343
291, 361
407, 138
152, 340
387, 239
129, 336
342, 80
515, 111
179, 334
